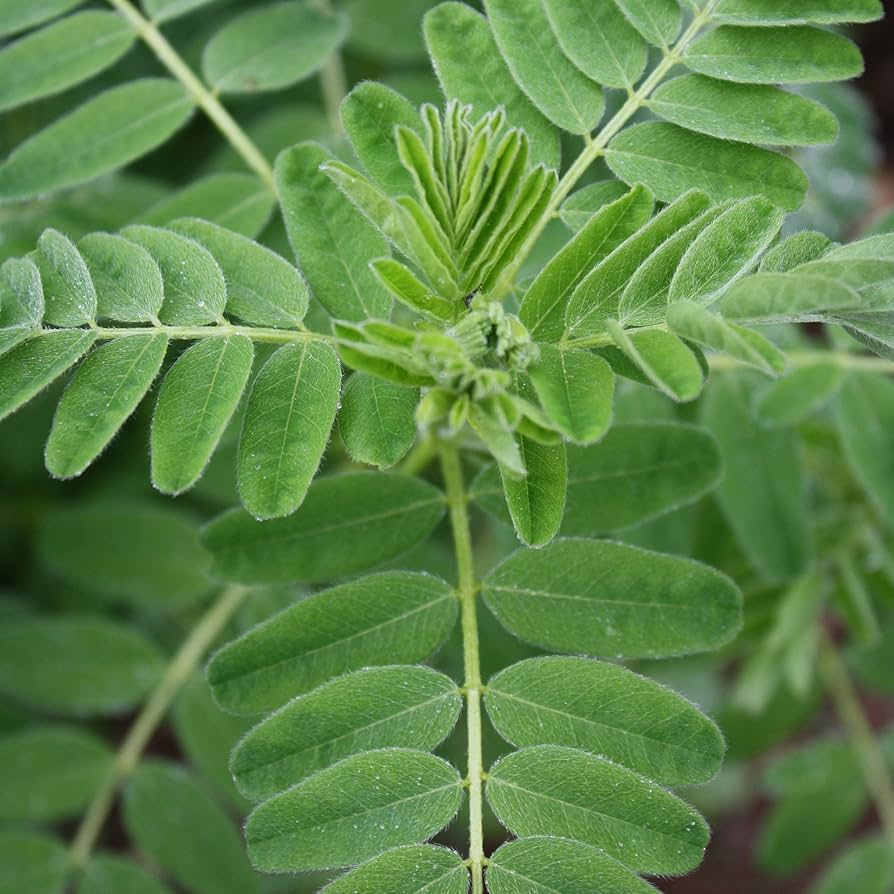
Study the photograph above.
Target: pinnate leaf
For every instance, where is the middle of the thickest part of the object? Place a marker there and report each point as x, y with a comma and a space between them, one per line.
558, 88
385, 618
286, 428
132, 119
377, 419
789, 55
419, 869
194, 286
454, 33
105, 390
68, 290
599, 40
50, 773
61, 55
133, 551
272, 47
98, 666
173, 820
576, 389
197, 398
128, 281
542, 865
551, 790
600, 598
544, 305
613, 712
749, 113
29, 367
354, 810
384, 707
333, 241
671, 160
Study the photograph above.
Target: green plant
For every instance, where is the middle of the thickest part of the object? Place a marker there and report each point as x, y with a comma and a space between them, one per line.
463, 307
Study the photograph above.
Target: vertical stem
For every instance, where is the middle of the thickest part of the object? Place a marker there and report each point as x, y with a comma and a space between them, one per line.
457, 502
333, 81
202, 96
872, 760
156, 707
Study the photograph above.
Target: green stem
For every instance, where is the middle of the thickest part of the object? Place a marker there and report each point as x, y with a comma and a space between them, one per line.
202, 96
333, 81
154, 710
219, 330
457, 502
872, 760
595, 147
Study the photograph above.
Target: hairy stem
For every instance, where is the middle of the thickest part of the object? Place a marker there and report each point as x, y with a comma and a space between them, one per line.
457, 502
194, 333
154, 710
202, 96
595, 147
847, 705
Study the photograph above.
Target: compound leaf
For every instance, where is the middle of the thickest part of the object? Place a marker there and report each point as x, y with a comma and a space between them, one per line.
194, 286
608, 710
61, 55
377, 419
49, 773
105, 390
380, 514
748, 113
728, 248
334, 243
106, 132
600, 598
576, 389
419, 869
354, 810
599, 40
286, 428
455, 33
240, 202
395, 616
262, 287
98, 666
68, 290
546, 865
134, 551
379, 707
789, 55
569, 793
29, 367
128, 281
558, 88
670, 160
197, 398
272, 48
173, 820
638, 472
544, 305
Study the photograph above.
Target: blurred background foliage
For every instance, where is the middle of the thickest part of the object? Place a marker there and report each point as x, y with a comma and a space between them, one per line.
101, 579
